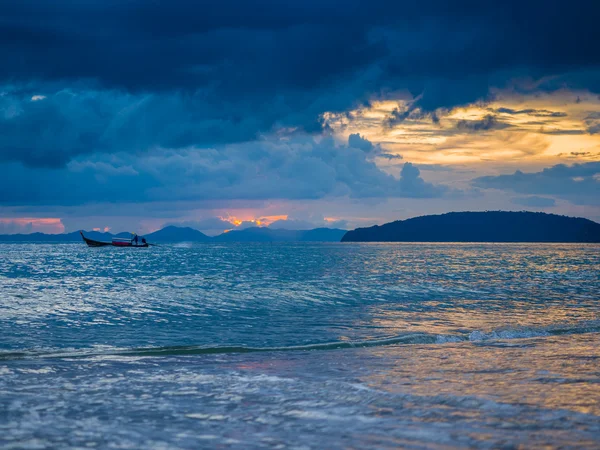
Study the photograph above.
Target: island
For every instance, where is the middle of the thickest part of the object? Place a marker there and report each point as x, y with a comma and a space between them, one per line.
488, 226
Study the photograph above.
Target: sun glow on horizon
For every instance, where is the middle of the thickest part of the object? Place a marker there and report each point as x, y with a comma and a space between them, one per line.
259, 222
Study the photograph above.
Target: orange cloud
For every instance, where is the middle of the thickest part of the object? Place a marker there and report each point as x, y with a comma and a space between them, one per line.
512, 130
268, 220
49, 225
259, 222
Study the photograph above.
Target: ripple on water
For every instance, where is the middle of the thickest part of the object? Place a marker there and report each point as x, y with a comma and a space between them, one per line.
356, 345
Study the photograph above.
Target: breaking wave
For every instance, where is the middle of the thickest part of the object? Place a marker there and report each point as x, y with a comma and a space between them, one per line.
476, 336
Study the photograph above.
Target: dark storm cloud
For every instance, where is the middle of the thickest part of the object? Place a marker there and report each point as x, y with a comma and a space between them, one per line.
372, 150
269, 48
299, 168
562, 132
152, 101
489, 122
397, 116
412, 185
357, 141
593, 123
578, 183
411, 111
530, 112
51, 130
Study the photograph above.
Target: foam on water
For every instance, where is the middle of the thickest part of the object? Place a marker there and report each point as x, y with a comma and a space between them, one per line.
406, 339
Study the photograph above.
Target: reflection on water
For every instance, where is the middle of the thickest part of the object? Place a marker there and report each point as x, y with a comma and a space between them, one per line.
300, 346
556, 372
475, 319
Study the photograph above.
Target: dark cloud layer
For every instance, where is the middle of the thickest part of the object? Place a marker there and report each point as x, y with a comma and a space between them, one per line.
489, 122
52, 130
578, 183
530, 112
287, 62
302, 168
593, 123
269, 43
357, 141
138, 101
250, 54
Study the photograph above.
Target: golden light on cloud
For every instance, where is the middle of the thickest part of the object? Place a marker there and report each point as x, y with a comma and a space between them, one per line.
512, 131
261, 221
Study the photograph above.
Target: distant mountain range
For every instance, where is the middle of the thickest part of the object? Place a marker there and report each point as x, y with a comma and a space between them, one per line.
489, 226
177, 234
186, 234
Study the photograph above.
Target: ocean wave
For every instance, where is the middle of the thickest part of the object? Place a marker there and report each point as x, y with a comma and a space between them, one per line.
475, 336
533, 332
416, 338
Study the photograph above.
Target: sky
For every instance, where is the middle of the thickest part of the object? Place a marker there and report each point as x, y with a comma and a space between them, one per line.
132, 115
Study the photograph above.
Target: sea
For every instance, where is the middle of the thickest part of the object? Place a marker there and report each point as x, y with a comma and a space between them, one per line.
300, 346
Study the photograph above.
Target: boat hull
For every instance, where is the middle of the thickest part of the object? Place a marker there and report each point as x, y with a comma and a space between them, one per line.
93, 243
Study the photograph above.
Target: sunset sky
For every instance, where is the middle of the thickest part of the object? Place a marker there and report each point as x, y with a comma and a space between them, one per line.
131, 115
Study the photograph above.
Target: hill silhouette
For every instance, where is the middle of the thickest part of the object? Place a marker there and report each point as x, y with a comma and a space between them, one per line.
489, 226
65, 237
323, 235
186, 234
177, 234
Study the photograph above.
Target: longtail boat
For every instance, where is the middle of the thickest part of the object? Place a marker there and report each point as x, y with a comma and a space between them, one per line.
116, 242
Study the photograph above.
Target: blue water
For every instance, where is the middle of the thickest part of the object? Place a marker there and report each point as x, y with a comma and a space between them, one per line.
300, 346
